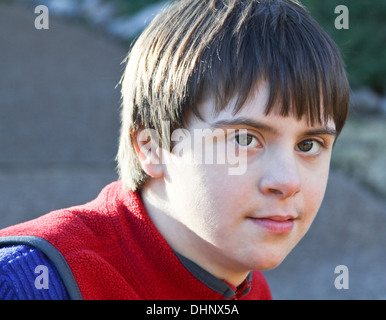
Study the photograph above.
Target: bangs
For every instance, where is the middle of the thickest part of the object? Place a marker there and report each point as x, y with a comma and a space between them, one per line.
224, 49
280, 44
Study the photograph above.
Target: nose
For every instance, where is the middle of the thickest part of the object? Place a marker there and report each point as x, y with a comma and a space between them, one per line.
280, 177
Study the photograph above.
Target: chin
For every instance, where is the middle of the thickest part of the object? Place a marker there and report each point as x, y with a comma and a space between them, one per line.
268, 261
269, 266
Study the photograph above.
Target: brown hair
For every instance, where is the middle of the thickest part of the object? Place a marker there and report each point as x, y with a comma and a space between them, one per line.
223, 48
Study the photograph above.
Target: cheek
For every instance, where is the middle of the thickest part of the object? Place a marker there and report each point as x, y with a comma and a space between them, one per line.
233, 195
314, 187
189, 190
209, 201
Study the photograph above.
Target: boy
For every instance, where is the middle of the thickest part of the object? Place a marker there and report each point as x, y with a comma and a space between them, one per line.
257, 83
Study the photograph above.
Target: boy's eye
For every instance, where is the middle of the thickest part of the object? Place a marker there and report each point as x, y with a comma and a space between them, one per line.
309, 146
246, 140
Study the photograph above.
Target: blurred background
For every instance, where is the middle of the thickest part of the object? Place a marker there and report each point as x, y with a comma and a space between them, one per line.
59, 125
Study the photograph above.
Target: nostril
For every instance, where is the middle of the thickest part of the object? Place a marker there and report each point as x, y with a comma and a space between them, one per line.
275, 191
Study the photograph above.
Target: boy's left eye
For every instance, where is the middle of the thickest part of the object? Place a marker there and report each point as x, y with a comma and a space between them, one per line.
309, 146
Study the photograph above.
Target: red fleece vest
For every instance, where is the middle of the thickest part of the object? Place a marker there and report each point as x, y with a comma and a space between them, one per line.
115, 252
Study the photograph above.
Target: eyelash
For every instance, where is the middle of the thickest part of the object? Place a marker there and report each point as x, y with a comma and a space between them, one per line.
320, 143
246, 134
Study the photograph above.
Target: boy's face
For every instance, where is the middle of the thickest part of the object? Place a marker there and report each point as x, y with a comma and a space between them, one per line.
249, 220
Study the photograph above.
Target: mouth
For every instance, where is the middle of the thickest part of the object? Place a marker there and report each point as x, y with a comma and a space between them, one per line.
278, 224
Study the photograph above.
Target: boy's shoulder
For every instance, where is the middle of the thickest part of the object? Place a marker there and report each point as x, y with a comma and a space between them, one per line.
86, 239
77, 230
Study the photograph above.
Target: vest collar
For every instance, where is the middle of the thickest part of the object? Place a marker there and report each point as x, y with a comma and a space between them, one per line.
227, 290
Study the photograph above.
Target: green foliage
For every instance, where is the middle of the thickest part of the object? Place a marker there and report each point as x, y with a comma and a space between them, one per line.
363, 45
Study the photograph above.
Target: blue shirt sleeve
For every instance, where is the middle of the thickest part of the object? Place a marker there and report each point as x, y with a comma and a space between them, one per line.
27, 274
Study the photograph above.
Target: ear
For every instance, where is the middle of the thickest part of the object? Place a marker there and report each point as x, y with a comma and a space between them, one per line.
149, 152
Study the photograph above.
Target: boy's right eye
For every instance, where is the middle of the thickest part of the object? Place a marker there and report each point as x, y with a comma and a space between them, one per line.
246, 140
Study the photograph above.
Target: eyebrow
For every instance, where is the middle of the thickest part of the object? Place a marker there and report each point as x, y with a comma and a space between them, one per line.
264, 127
244, 122
321, 131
